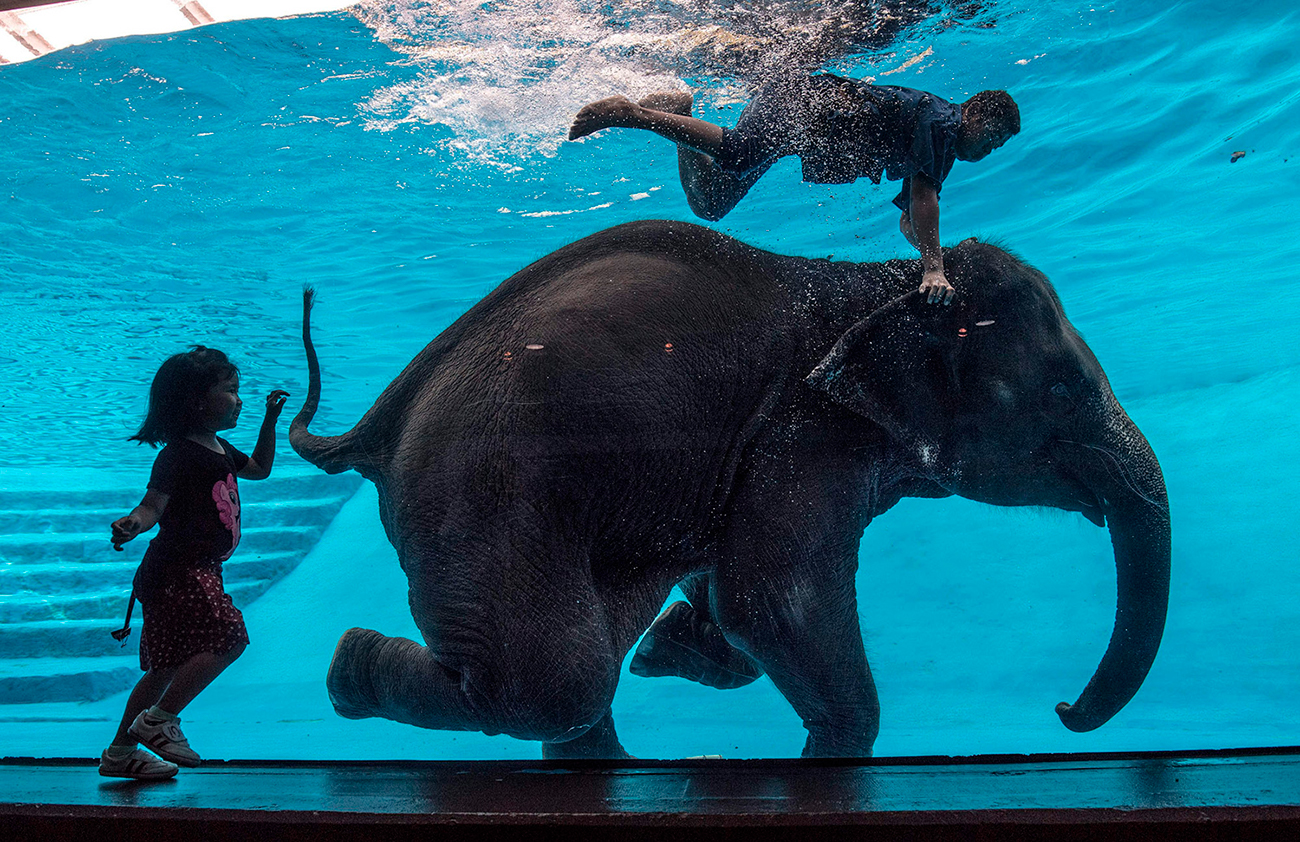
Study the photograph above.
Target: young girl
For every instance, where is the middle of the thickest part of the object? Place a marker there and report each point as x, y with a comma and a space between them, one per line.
192, 631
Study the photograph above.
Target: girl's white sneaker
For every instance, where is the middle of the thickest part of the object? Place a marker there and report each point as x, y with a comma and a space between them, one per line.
164, 738
139, 764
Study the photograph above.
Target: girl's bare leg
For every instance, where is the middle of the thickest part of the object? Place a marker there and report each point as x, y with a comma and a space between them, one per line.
193, 676
148, 690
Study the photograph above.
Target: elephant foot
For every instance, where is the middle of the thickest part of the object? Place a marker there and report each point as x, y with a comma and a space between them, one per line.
348, 678
684, 644
600, 742
841, 740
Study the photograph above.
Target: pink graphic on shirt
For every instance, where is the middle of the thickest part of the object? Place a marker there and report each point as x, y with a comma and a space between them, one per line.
226, 495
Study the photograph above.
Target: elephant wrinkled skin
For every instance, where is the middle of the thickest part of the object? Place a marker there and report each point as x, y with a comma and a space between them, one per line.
660, 404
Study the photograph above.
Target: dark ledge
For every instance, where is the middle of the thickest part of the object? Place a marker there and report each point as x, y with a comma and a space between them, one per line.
1234, 794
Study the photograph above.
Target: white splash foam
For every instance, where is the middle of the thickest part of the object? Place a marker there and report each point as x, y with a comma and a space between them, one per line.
507, 77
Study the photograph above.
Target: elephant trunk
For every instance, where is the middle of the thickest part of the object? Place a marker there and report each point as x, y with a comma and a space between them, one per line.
1130, 487
325, 452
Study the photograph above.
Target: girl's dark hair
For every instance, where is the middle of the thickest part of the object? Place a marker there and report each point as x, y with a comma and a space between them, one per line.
178, 389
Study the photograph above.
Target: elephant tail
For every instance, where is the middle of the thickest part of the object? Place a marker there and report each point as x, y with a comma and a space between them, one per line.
329, 453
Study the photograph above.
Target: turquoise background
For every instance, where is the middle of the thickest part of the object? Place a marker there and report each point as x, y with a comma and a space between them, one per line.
167, 190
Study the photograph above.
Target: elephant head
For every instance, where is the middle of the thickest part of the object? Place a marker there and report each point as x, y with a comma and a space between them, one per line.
1000, 400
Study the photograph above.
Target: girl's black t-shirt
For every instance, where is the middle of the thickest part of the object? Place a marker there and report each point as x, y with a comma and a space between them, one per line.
200, 525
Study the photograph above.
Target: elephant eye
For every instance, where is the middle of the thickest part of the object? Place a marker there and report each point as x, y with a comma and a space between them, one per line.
1059, 399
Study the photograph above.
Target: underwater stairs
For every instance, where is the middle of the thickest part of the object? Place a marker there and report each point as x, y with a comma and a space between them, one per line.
63, 588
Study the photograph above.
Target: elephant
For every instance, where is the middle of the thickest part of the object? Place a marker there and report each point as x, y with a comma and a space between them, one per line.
660, 404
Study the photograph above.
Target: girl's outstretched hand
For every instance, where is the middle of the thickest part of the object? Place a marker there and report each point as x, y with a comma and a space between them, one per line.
275, 403
124, 529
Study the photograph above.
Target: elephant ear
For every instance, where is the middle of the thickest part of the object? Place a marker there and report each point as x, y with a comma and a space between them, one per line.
898, 367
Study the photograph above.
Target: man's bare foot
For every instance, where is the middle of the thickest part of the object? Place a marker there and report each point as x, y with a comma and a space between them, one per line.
674, 102
603, 114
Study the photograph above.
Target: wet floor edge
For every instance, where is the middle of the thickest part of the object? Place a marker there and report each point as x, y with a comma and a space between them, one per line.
1237, 794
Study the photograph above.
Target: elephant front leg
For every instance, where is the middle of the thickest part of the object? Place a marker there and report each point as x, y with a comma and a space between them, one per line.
784, 587
802, 628
599, 743
686, 642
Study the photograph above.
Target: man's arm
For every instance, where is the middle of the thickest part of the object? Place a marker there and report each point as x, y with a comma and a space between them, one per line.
921, 227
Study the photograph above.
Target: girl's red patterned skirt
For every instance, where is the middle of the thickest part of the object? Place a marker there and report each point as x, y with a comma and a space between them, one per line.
188, 614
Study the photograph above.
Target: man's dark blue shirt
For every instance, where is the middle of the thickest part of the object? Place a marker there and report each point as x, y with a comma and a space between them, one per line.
843, 129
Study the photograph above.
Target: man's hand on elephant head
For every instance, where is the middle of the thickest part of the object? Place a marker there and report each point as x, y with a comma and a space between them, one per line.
935, 287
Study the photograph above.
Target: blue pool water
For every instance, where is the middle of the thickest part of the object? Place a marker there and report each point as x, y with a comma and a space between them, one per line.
162, 191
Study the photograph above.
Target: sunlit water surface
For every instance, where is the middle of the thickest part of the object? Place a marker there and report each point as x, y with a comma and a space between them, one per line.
404, 159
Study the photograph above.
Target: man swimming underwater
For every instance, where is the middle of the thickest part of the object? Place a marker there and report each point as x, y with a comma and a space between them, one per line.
841, 129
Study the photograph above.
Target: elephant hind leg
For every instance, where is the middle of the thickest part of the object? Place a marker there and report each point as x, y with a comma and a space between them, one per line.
395, 678
398, 679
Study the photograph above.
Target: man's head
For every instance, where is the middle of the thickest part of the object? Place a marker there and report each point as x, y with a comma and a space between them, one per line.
988, 120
